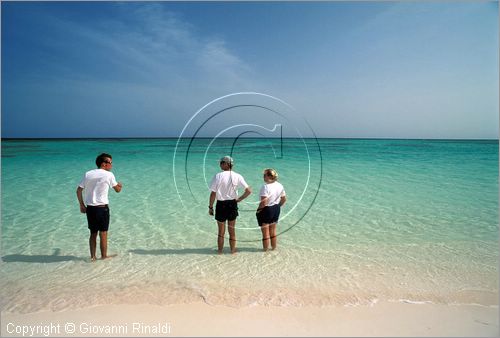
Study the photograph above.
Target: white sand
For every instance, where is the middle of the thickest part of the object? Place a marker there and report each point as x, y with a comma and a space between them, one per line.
382, 319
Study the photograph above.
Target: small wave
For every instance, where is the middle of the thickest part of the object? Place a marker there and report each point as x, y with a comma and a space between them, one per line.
409, 301
61, 298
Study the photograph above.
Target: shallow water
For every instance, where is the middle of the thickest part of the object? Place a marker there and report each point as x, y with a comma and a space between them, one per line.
366, 220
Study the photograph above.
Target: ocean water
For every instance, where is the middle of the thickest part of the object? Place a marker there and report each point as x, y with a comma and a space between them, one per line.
365, 221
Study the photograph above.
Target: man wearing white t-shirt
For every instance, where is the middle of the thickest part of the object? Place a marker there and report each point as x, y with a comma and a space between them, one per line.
224, 188
95, 185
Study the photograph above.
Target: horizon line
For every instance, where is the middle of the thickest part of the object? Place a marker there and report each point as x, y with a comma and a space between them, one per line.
187, 138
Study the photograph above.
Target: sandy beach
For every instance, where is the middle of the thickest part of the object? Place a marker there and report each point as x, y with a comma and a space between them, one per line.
199, 319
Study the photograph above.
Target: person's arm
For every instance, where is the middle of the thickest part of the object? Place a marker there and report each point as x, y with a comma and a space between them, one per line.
118, 187
262, 204
282, 200
211, 203
79, 195
247, 192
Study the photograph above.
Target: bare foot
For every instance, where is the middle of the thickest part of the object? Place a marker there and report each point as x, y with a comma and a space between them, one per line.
109, 256
93, 259
220, 252
233, 252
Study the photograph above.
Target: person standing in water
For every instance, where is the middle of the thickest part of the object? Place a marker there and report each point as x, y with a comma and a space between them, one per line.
224, 188
95, 184
272, 197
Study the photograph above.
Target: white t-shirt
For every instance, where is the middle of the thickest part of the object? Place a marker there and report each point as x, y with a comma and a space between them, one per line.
273, 191
96, 185
226, 184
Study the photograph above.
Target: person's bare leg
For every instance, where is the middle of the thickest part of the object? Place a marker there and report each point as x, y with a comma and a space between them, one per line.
103, 236
220, 239
265, 236
92, 245
272, 234
232, 235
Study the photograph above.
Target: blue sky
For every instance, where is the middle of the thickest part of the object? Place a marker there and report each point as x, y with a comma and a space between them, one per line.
351, 69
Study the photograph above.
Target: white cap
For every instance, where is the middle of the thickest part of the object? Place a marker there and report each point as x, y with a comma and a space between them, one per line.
227, 159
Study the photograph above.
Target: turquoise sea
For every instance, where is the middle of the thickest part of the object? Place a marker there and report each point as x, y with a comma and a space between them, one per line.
366, 221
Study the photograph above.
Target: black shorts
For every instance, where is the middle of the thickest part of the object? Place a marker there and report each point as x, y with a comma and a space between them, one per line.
226, 210
98, 218
269, 215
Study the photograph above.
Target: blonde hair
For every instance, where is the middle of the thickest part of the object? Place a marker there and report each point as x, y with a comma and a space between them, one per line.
271, 173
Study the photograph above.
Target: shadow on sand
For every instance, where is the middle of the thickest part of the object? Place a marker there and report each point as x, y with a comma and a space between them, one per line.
188, 251
40, 258
54, 258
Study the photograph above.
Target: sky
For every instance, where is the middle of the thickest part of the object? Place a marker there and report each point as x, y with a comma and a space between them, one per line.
350, 69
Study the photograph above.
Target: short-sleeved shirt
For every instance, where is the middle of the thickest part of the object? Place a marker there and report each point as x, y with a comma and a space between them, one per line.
273, 191
225, 184
96, 184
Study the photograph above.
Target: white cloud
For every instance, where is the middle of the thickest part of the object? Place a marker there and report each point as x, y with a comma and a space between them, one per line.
217, 60
145, 43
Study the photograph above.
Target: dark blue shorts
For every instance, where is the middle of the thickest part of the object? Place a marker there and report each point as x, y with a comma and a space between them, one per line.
226, 210
269, 215
98, 218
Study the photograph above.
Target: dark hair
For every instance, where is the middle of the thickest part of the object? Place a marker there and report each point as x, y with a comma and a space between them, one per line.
229, 164
101, 158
